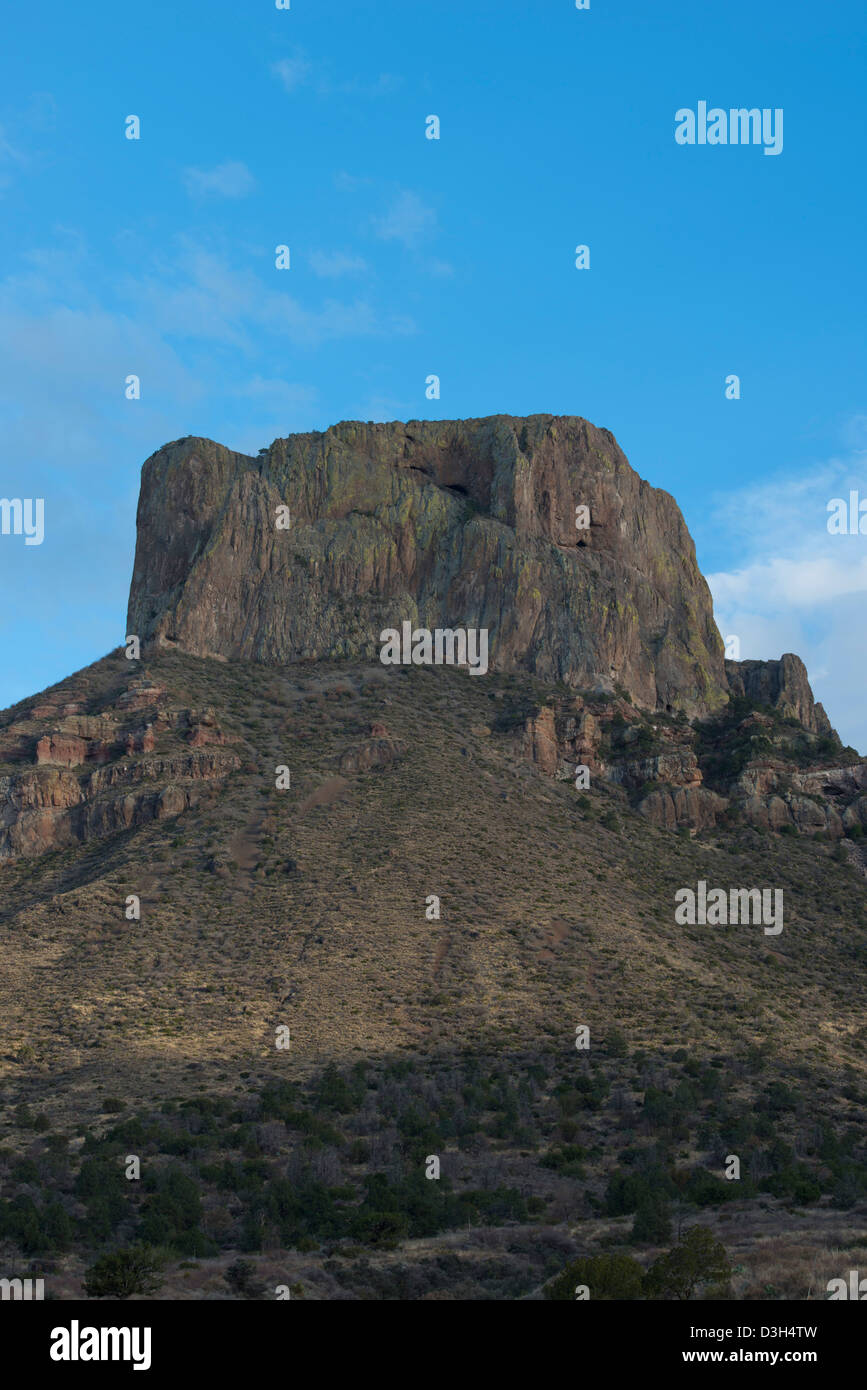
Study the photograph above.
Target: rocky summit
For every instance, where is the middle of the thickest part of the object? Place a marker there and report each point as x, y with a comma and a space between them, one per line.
288, 921
457, 523
536, 532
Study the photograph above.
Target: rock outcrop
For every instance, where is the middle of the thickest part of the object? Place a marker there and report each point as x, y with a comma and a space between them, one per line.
831, 800
45, 810
783, 685
540, 741
310, 550
693, 808
86, 776
380, 750
442, 523
61, 750
660, 763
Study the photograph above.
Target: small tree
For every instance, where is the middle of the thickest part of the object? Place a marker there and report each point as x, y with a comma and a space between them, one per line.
697, 1259
240, 1278
652, 1224
606, 1277
120, 1273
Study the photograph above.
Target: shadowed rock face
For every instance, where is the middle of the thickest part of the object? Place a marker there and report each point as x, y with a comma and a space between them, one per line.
445, 524
781, 684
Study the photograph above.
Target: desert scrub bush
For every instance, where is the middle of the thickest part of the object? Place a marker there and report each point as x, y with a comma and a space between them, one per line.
121, 1273
652, 1224
566, 1160
605, 1277
698, 1259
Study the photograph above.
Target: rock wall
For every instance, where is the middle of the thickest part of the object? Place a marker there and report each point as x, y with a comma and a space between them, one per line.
781, 684
446, 524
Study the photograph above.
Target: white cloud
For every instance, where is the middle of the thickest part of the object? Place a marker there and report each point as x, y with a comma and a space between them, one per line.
66, 349
335, 263
63, 353
795, 586
8, 150
297, 72
276, 390
407, 220
10, 156
799, 583
18, 151
200, 295
292, 72
385, 83
278, 408
350, 183
382, 409
854, 432
229, 180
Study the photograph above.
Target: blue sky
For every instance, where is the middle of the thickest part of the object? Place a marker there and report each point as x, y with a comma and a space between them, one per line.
456, 257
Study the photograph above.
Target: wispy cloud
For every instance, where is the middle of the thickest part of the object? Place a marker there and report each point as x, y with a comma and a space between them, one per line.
8, 151
407, 220
12, 158
17, 149
229, 180
335, 263
801, 583
382, 85
276, 392
70, 333
276, 408
794, 586
292, 72
788, 558
298, 71
854, 432
195, 294
200, 294
351, 183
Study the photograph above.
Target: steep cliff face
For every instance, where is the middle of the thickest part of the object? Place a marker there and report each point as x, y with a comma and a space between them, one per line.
445, 524
442, 524
781, 684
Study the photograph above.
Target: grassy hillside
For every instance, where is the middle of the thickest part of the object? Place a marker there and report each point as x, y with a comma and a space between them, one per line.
305, 908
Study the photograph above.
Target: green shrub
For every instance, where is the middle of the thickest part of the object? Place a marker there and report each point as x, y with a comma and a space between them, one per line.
606, 1277
699, 1258
240, 1277
121, 1273
652, 1224
565, 1160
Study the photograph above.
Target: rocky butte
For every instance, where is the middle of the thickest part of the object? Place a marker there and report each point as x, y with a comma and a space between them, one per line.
261, 830
468, 523
442, 526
